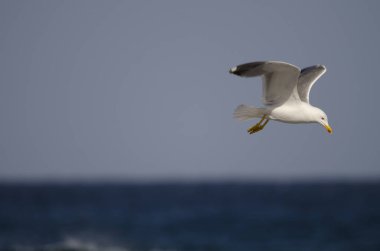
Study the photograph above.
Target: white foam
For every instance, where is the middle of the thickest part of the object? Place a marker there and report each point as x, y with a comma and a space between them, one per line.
79, 244
72, 243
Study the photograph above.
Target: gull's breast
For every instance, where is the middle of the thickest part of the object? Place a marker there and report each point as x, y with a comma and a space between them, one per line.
290, 113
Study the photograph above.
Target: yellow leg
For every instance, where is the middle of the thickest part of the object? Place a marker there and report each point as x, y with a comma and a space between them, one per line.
258, 126
254, 128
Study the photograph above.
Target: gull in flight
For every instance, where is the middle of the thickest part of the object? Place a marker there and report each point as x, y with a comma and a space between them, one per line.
286, 90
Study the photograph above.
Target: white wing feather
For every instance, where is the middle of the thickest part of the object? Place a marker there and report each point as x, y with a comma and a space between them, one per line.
279, 80
307, 79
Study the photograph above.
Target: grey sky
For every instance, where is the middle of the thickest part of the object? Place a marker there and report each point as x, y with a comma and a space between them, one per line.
140, 90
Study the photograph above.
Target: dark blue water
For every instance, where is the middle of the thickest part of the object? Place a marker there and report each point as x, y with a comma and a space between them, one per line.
235, 217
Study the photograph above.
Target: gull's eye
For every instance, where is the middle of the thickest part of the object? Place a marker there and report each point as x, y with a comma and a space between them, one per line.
323, 118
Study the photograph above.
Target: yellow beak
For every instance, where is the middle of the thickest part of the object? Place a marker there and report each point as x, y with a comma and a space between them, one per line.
328, 128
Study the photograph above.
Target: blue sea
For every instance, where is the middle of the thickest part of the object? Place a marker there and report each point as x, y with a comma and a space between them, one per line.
190, 217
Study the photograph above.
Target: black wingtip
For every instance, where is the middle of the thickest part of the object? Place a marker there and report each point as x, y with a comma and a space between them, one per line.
311, 68
238, 71
233, 70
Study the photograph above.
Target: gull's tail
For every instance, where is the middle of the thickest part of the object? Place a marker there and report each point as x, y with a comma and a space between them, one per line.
245, 112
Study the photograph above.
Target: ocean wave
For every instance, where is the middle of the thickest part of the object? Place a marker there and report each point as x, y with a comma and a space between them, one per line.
75, 244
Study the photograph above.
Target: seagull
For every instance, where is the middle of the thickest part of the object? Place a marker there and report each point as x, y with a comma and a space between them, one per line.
286, 90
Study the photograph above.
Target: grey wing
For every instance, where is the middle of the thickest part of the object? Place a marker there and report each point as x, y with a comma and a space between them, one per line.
279, 79
307, 79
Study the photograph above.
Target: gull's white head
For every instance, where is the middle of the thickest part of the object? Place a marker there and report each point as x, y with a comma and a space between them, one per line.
320, 117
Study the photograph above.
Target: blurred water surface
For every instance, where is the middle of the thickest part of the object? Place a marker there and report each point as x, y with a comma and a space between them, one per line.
196, 217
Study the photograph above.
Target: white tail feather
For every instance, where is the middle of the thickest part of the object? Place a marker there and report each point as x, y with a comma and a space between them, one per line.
245, 112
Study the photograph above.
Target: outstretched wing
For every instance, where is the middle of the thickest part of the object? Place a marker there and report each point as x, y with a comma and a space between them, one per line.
307, 79
279, 79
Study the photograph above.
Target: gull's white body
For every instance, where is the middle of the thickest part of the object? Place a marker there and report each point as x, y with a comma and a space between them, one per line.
291, 113
286, 91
